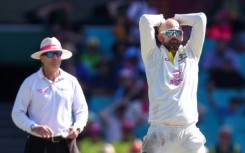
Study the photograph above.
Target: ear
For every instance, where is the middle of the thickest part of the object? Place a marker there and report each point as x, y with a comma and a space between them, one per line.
41, 59
160, 37
182, 39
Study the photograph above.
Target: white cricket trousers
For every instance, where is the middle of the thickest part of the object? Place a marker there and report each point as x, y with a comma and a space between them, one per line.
163, 138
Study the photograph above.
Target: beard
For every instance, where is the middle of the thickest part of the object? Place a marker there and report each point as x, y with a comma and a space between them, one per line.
172, 44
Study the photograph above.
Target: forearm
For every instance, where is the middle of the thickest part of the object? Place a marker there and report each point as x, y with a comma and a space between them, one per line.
79, 107
198, 22
80, 111
81, 120
191, 19
22, 121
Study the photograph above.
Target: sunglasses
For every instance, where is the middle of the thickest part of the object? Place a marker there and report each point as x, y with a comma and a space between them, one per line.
51, 54
171, 32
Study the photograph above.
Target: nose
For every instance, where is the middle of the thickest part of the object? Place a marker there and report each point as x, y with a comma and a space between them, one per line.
55, 57
174, 35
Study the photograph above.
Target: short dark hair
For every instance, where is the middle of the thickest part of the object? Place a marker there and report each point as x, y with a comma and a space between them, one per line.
156, 33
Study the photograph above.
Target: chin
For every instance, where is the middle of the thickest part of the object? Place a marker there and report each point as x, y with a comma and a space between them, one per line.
175, 47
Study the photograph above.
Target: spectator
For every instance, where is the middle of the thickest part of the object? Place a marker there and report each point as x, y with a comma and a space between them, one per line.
202, 111
136, 146
119, 48
117, 8
223, 67
232, 109
138, 112
51, 13
134, 12
108, 148
221, 28
237, 14
91, 56
221, 53
225, 142
128, 87
103, 83
226, 77
93, 142
126, 143
120, 28
133, 60
112, 118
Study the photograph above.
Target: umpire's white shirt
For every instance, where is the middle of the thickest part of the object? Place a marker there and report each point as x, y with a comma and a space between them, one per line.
172, 86
59, 104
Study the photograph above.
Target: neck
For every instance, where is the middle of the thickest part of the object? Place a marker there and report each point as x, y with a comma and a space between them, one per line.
173, 52
51, 74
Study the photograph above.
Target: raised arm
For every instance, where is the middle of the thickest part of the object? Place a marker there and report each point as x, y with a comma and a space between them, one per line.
198, 22
147, 33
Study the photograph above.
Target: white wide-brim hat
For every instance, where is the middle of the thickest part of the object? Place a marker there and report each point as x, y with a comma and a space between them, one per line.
51, 44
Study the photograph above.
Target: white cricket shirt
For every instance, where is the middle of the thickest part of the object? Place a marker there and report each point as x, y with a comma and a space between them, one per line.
172, 86
59, 104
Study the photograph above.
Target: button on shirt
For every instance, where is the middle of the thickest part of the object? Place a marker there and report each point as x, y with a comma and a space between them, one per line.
59, 104
172, 85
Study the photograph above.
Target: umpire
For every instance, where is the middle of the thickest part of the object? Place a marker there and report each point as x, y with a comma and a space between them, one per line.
50, 104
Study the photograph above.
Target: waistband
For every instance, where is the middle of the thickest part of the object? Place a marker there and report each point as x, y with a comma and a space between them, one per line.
170, 125
54, 139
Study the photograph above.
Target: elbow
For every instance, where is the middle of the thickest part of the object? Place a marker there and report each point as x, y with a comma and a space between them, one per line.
202, 17
14, 115
143, 22
143, 19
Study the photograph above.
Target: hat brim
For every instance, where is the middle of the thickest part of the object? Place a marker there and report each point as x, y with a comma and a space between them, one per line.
65, 54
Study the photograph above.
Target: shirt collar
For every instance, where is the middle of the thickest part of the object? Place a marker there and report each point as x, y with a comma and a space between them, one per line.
41, 75
163, 48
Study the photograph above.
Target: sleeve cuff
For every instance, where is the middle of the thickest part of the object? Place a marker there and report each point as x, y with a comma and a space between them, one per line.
79, 128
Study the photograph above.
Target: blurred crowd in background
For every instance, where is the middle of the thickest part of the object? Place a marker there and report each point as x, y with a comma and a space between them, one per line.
113, 78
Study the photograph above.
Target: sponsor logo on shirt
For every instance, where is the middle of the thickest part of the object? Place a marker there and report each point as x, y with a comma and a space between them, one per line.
42, 90
177, 78
61, 89
182, 57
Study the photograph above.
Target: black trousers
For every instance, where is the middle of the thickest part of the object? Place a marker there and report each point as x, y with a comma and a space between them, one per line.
41, 145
